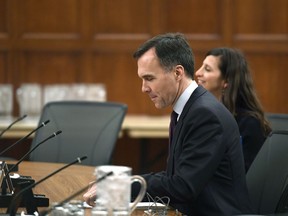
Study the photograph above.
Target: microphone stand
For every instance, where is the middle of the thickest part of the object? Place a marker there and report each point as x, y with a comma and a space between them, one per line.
25, 155
5, 179
25, 137
31, 150
27, 193
3, 186
46, 212
17, 120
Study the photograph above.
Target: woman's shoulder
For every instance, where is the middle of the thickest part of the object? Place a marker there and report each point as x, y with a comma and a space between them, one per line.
247, 121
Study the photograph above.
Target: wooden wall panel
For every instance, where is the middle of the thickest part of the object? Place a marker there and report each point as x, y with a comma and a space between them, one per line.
261, 25
3, 68
93, 41
202, 22
253, 18
194, 17
3, 17
271, 81
49, 67
110, 17
42, 18
3, 39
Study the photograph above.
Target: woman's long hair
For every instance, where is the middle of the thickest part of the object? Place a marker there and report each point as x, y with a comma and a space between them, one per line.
240, 92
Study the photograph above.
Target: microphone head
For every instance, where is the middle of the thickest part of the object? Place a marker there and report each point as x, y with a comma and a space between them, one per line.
58, 132
45, 123
82, 158
24, 116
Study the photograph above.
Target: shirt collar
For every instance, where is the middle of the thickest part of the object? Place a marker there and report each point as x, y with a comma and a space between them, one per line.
184, 97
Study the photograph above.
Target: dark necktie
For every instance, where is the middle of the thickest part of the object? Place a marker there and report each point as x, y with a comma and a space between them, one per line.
173, 122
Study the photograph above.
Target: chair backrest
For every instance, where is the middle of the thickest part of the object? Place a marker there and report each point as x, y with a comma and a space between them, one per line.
268, 174
88, 129
278, 121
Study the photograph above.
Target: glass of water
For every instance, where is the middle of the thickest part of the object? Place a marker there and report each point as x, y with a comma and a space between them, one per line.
113, 194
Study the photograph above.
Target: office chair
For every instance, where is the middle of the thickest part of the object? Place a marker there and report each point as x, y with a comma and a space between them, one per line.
267, 176
278, 121
88, 129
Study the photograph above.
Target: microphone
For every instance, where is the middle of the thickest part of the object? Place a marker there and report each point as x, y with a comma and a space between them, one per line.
12, 209
24, 138
32, 149
17, 120
21, 159
46, 212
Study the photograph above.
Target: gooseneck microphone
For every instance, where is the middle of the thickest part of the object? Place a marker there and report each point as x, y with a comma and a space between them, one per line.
32, 149
9, 126
46, 212
12, 209
4, 187
25, 137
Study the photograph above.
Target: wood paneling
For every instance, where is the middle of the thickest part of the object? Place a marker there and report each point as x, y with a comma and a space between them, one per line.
49, 67
184, 16
260, 17
92, 41
3, 18
36, 18
261, 25
73, 41
121, 17
271, 81
3, 69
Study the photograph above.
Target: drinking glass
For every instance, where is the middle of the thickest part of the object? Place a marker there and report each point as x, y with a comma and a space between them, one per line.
29, 97
6, 101
96, 92
113, 194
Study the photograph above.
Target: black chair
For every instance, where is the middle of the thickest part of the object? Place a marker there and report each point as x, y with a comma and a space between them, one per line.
267, 177
88, 129
278, 121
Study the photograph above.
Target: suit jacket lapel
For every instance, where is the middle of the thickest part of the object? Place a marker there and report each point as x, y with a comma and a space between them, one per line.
196, 93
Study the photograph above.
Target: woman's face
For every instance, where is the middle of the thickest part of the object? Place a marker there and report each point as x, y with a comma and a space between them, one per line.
209, 76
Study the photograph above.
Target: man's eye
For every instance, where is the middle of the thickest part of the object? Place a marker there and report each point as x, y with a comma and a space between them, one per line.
149, 78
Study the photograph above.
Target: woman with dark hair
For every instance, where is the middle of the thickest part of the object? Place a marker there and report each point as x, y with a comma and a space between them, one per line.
226, 74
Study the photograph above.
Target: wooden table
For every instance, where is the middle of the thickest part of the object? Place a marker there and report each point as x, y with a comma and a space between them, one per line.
59, 186
63, 184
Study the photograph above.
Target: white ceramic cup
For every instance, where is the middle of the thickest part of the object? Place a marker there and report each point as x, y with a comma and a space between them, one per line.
113, 194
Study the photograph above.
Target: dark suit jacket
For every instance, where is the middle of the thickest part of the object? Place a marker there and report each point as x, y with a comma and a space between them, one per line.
205, 170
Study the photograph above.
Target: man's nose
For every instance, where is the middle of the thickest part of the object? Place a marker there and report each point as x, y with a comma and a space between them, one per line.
145, 87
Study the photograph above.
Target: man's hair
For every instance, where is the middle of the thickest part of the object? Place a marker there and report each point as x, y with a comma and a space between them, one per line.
171, 49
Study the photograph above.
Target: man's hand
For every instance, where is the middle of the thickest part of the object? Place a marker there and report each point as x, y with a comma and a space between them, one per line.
90, 196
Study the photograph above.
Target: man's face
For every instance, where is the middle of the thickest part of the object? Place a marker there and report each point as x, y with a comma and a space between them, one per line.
160, 85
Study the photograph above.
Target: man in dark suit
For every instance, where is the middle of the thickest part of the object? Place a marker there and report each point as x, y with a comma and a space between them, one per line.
205, 169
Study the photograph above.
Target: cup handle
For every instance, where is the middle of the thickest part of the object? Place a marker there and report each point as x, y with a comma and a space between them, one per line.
142, 192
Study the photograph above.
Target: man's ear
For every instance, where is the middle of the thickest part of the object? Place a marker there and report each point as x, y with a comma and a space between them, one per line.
179, 72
